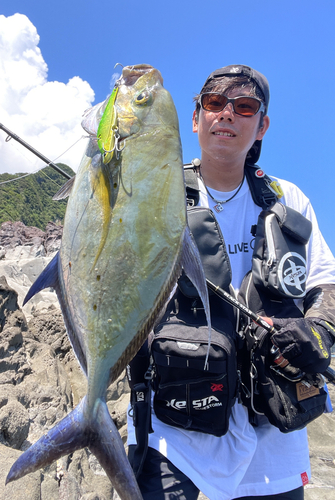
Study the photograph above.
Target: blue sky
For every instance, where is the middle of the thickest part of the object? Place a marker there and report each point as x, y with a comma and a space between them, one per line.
291, 42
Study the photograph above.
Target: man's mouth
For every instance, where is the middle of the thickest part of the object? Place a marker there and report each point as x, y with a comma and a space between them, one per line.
226, 134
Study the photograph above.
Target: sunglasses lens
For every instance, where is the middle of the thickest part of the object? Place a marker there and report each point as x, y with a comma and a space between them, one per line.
213, 102
246, 106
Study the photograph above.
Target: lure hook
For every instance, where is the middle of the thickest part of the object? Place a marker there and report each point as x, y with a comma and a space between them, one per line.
113, 148
116, 145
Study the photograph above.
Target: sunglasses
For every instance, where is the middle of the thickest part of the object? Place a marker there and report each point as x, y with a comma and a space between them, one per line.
244, 105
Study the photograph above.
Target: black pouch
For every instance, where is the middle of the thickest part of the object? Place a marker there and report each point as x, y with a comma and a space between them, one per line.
279, 257
288, 398
186, 394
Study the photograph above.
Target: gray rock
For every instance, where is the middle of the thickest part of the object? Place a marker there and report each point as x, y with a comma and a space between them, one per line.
14, 424
14, 234
10, 313
24, 253
27, 488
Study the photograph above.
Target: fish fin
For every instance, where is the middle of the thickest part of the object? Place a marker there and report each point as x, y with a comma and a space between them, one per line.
47, 278
101, 188
65, 190
66, 437
92, 117
191, 263
108, 448
74, 432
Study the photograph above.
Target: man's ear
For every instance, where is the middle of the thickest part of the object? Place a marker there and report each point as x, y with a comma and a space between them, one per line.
195, 122
263, 128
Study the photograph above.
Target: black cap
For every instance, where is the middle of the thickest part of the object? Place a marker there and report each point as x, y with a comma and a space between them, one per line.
241, 70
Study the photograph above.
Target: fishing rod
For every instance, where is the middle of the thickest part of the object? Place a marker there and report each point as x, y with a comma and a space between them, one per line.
329, 373
46, 160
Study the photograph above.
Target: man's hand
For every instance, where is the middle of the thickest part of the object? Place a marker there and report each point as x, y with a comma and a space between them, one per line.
305, 343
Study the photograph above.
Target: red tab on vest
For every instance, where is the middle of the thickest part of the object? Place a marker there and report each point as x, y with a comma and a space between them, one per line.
304, 478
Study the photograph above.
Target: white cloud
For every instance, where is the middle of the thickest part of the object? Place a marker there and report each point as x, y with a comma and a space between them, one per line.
45, 114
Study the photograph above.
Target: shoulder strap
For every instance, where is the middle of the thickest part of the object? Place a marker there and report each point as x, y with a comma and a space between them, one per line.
260, 185
139, 377
192, 186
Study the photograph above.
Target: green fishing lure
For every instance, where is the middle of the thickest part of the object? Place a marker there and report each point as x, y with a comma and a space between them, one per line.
107, 129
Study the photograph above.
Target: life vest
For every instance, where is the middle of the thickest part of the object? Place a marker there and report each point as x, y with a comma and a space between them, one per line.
265, 192
281, 234
259, 290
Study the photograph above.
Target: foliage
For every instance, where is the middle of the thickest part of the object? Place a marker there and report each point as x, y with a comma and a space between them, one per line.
29, 199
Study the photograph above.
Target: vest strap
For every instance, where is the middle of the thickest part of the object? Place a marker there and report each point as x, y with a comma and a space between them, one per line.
261, 192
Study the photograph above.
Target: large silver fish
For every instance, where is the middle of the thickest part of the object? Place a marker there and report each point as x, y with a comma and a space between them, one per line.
124, 243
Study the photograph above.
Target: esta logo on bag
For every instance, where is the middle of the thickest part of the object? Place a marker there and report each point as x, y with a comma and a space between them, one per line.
197, 404
177, 405
206, 403
186, 395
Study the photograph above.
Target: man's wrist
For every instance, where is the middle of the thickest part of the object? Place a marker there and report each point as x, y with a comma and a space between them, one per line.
328, 327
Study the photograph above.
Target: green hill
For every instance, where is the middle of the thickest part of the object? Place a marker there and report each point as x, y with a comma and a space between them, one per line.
29, 199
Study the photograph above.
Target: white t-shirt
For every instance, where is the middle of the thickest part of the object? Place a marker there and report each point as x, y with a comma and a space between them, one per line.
247, 460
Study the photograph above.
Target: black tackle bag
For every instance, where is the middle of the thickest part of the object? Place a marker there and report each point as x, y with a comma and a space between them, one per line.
189, 393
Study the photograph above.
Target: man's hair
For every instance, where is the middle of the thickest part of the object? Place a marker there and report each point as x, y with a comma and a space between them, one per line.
225, 84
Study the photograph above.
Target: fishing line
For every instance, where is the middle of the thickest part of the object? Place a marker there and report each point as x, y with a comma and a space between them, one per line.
18, 178
41, 168
20, 151
68, 149
52, 180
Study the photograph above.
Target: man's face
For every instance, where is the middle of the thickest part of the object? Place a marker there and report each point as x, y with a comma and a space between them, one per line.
225, 135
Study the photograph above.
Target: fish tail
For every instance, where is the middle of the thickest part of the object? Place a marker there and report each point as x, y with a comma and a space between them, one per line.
109, 450
77, 431
66, 437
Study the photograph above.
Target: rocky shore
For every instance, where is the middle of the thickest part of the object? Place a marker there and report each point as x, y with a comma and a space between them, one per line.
40, 382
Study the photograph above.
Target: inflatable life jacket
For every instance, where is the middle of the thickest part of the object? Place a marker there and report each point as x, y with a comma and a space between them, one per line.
281, 234
187, 311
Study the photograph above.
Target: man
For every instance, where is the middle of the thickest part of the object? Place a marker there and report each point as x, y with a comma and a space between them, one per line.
254, 462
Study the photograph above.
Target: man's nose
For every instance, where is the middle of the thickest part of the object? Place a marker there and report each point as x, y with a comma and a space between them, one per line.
227, 113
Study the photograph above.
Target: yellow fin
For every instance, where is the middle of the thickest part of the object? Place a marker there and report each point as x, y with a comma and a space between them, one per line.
101, 189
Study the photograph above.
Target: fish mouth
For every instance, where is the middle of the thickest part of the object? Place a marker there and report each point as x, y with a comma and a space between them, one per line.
130, 74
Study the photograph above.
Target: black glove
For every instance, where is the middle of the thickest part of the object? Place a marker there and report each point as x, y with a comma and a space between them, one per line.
305, 342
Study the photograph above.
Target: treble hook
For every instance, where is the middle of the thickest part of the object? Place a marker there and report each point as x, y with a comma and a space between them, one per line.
116, 146
113, 148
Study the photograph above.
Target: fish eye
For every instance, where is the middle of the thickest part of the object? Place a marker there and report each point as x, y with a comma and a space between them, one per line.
143, 98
